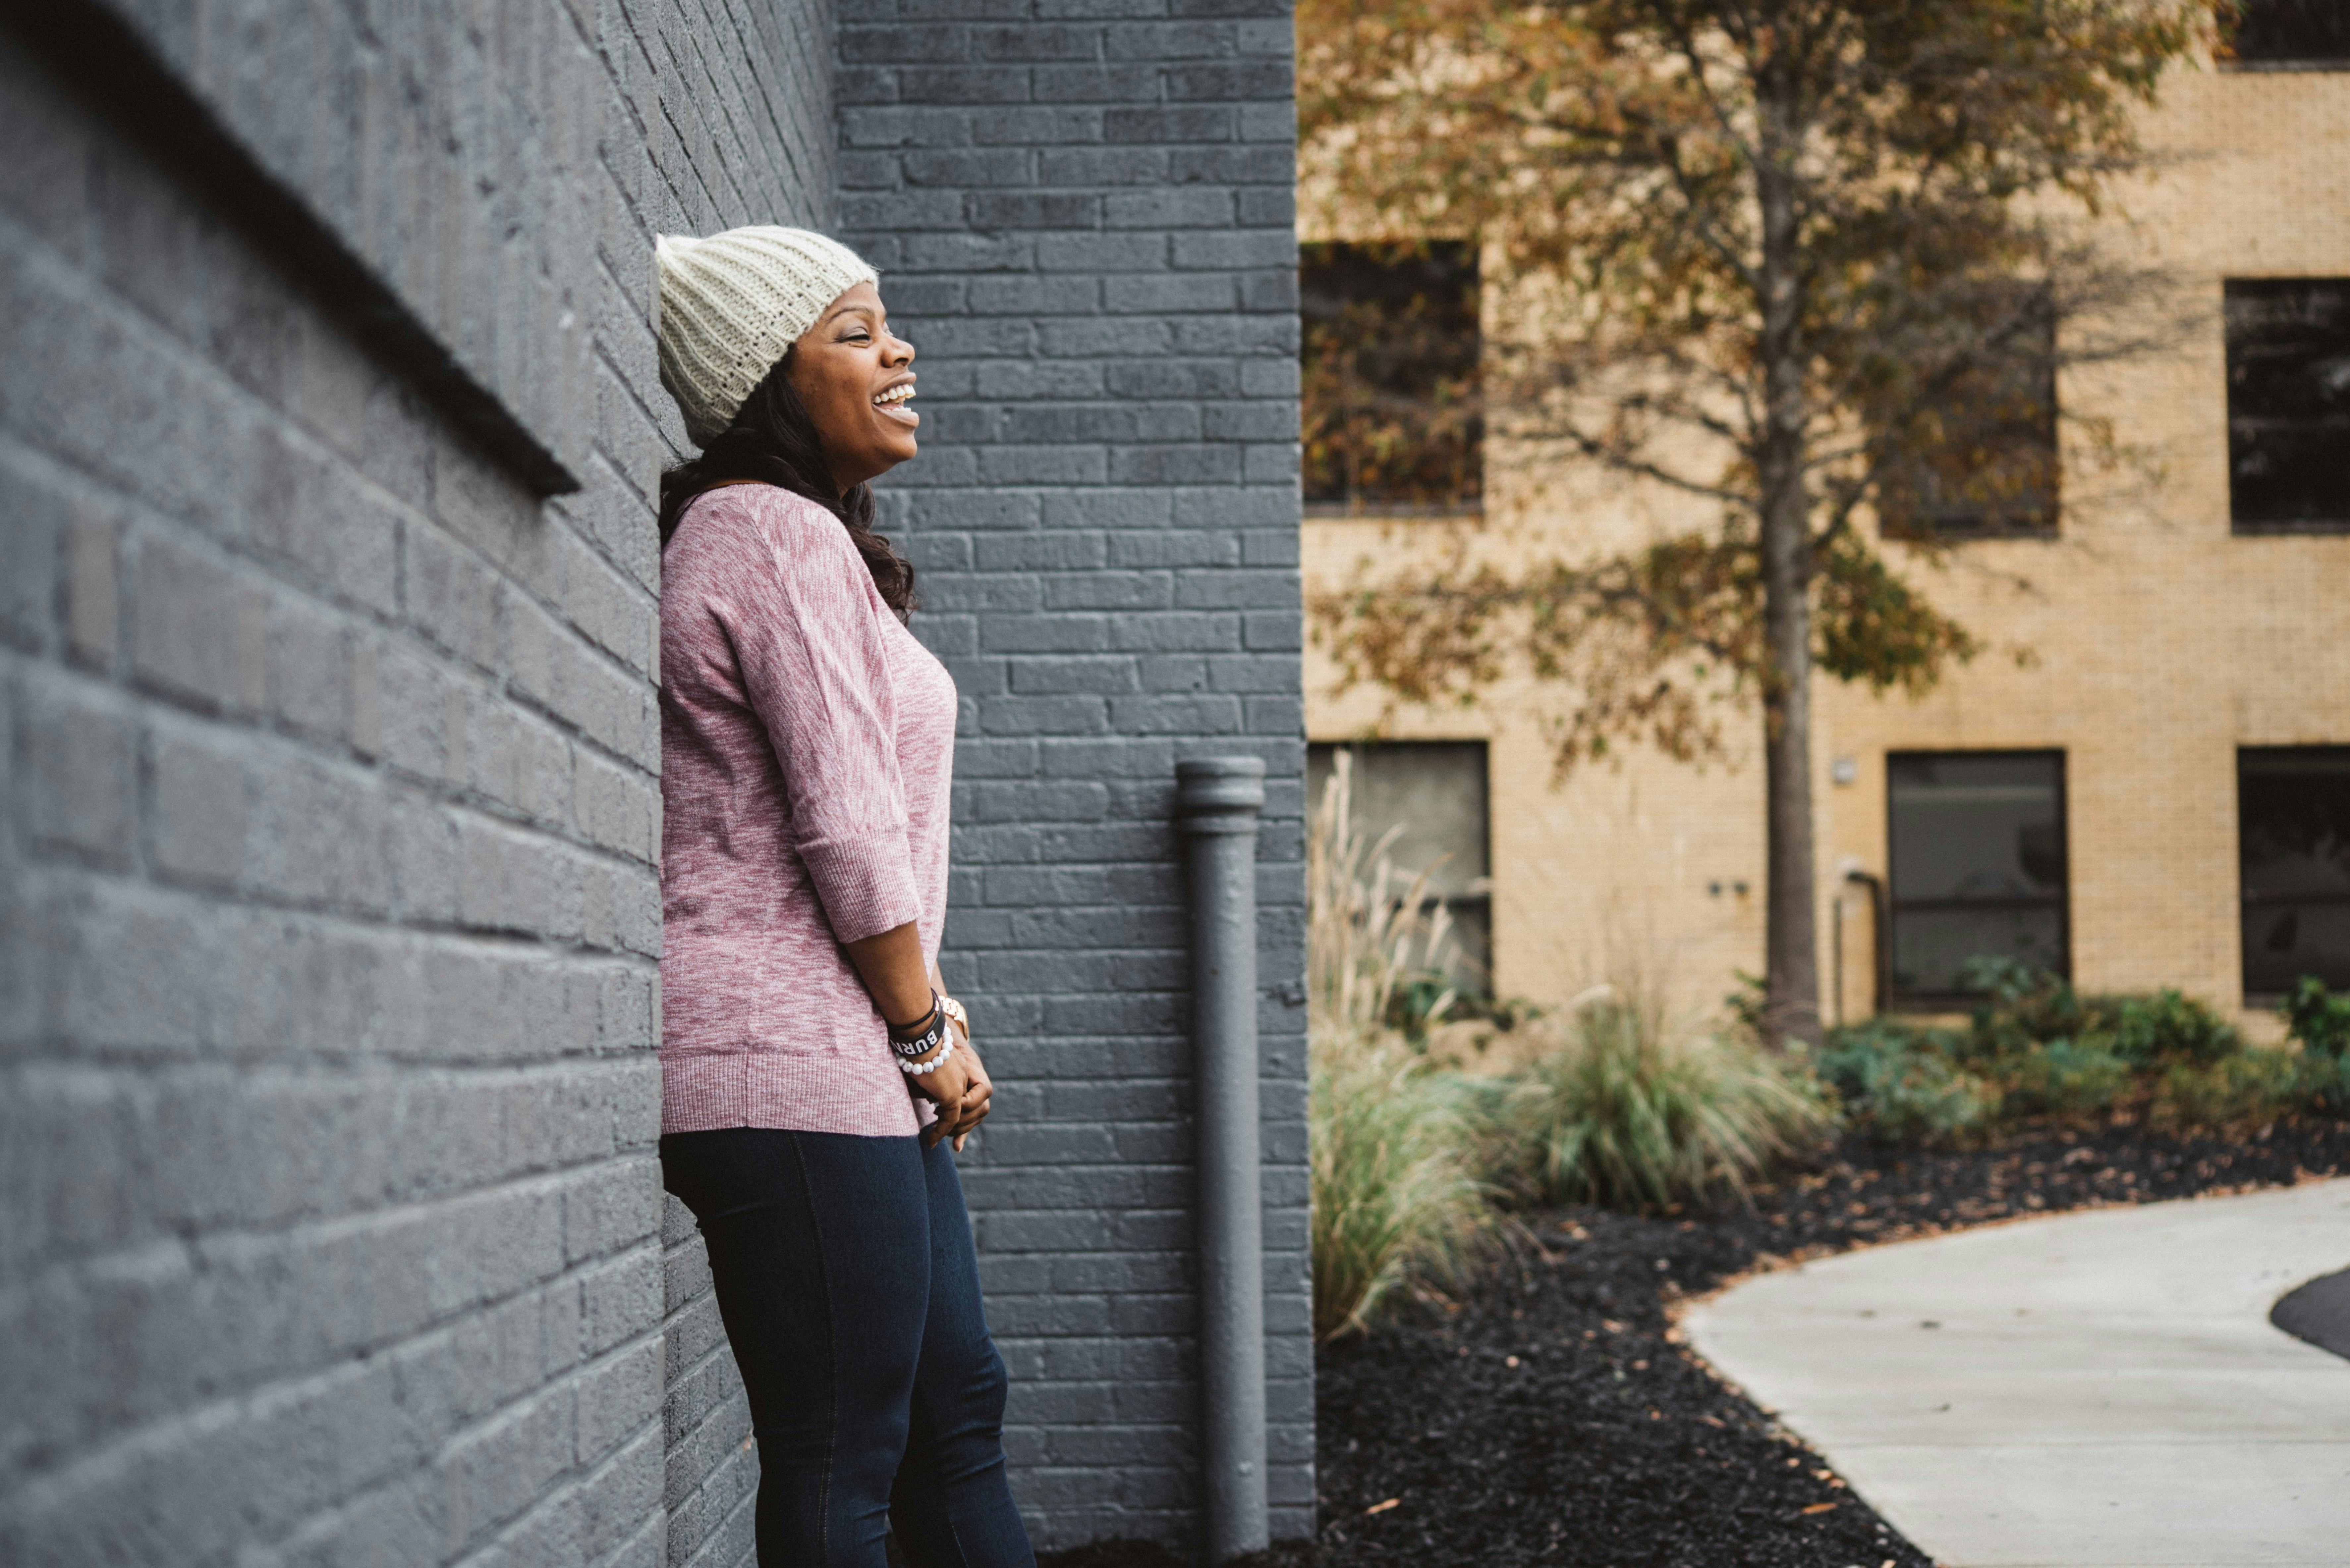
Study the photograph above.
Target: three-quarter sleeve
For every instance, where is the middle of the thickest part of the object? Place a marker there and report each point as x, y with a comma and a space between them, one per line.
808, 639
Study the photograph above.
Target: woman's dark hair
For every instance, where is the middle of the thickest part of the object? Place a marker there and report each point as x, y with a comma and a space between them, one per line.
774, 442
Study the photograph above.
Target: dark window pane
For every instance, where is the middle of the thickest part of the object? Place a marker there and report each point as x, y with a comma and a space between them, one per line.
1471, 938
2282, 945
1433, 794
1930, 948
1978, 864
1977, 825
2295, 856
2289, 404
2296, 32
2296, 820
1390, 356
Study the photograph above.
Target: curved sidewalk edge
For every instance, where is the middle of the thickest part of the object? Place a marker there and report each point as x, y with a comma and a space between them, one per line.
2100, 1389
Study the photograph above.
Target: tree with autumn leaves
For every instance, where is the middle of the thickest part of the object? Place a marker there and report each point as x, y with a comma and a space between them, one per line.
1815, 264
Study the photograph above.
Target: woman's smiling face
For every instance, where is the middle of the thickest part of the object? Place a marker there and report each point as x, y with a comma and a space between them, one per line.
856, 380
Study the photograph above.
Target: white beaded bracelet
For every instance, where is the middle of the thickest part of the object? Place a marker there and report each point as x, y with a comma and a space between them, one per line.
916, 1069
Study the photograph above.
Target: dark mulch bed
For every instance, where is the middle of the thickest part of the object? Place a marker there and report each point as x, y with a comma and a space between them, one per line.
1552, 1416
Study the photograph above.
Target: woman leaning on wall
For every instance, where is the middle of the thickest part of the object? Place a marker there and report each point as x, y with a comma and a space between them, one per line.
815, 1074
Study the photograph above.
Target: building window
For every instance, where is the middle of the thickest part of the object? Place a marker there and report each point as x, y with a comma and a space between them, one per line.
2293, 810
1979, 460
1431, 793
2289, 404
2286, 34
1392, 420
1978, 867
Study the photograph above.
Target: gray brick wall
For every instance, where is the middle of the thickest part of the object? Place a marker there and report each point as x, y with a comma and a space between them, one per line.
448, 144
331, 908
330, 1228
1082, 211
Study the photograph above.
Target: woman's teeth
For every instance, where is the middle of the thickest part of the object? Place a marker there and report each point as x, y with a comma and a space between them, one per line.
894, 395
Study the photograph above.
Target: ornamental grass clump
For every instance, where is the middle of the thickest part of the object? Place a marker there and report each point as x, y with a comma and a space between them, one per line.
1627, 1109
1394, 1195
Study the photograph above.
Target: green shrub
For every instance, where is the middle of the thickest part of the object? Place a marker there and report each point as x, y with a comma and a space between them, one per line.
2254, 1084
1393, 1191
1626, 1110
2025, 1007
2066, 1079
1904, 1084
2324, 1083
1419, 1002
2171, 1027
2034, 1046
2319, 1021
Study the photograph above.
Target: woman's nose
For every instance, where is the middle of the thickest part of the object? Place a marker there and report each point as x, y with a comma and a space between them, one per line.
903, 350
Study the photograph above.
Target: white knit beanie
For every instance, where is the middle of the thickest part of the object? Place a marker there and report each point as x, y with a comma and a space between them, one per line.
732, 303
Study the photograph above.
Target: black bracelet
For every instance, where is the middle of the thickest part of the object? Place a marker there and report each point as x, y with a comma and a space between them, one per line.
919, 1039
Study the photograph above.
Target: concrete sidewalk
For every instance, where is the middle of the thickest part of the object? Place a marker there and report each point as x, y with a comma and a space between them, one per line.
2091, 1390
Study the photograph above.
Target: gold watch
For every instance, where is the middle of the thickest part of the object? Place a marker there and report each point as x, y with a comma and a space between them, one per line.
956, 1011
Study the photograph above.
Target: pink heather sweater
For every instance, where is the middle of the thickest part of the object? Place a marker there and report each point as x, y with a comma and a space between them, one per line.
807, 743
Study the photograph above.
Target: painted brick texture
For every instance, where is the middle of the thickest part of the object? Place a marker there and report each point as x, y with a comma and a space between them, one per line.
1082, 211
332, 920
327, 891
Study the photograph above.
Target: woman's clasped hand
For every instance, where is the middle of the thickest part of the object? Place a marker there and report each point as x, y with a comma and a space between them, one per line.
958, 1088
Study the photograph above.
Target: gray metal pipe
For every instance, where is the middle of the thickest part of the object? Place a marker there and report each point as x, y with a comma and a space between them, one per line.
1220, 799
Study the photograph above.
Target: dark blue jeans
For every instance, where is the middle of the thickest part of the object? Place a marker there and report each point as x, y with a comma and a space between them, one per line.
847, 1279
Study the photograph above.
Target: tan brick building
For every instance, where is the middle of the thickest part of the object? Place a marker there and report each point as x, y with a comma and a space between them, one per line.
2174, 638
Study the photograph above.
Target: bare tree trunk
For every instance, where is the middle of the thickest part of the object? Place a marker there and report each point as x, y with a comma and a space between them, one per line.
1791, 1006
1791, 940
